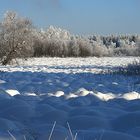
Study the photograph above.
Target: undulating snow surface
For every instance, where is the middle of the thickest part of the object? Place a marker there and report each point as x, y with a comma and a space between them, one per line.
75, 91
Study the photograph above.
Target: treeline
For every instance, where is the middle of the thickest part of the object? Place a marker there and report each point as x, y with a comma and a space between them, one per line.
19, 38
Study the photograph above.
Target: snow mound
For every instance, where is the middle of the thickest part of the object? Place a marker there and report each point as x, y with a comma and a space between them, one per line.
105, 135
85, 111
79, 101
84, 122
59, 132
14, 109
55, 115
8, 103
43, 108
18, 113
6, 125
82, 92
127, 121
4, 94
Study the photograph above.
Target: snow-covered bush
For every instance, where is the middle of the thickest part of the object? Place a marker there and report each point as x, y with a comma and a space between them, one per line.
138, 47
85, 48
73, 48
39, 48
15, 37
126, 50
56, 48
52, 42
99, 50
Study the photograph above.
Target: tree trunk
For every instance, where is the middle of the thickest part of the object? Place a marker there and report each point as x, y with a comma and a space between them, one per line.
8, 57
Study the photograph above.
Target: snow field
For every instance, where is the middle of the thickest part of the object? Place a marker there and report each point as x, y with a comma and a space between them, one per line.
97, 106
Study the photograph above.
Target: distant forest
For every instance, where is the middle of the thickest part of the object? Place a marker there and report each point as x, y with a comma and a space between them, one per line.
19, 38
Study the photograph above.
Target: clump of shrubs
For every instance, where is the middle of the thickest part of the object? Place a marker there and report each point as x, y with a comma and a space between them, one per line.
19, 38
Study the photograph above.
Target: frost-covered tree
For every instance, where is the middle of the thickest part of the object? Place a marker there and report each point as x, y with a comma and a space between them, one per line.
137, 46
15, 37
57, 33
85, 48
73, 48
51, 42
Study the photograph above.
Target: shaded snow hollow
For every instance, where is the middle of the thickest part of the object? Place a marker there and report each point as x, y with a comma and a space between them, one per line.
97, 106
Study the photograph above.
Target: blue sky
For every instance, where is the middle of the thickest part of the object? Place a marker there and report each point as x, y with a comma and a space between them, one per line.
80, 16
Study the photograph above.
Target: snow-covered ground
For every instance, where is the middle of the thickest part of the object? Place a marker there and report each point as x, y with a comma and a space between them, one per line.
69, 65
76, 91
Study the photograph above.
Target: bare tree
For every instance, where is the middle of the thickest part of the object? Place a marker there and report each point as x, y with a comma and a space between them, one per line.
15, 36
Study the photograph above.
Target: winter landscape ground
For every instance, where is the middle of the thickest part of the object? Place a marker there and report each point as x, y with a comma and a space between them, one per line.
82, 95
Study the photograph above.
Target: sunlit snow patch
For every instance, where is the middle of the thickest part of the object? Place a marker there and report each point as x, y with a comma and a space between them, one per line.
12, 92
110, 96
104, 97
131, 96
30, 94
71, 95
82, 92
57, 94
2, 82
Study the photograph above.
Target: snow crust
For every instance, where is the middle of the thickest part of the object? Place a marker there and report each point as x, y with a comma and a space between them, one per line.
78, 91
